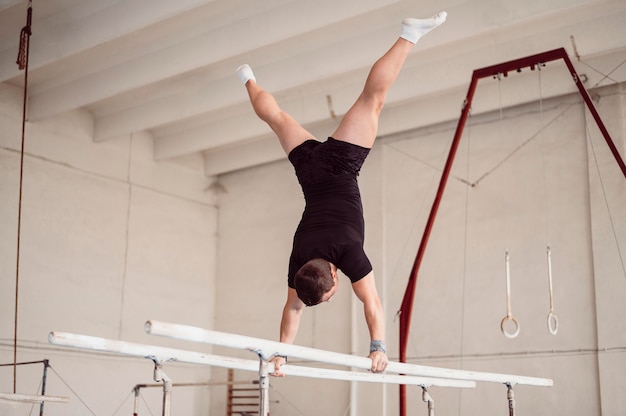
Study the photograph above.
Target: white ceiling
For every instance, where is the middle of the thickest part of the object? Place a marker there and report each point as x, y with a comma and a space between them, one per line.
166, 67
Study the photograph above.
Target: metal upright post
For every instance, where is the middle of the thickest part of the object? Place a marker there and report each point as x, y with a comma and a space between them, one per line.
46, 364
264, 384
426, 397
511, 398
160, 376
136, 401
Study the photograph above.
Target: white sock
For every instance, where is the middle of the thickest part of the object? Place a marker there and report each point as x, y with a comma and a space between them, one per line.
414, 29
245, 73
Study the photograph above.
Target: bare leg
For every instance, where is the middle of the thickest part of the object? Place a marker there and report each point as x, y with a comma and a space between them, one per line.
360, 124
290, 133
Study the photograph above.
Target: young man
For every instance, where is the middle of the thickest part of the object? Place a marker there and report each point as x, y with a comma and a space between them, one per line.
331, 232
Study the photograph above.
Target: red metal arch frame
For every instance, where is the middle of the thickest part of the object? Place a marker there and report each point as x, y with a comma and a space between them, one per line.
530, 61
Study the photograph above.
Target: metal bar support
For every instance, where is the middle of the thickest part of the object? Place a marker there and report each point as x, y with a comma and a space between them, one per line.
44, 378
511, 399
136, 401
264, 386
160, 376
426, 397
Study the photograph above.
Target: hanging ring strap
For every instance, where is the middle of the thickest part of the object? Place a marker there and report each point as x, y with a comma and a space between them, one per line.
509, 314
553, 320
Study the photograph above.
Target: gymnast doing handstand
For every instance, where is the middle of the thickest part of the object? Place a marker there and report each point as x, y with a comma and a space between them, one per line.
331, 232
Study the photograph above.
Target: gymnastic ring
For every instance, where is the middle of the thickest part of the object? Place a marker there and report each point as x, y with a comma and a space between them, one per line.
508, 334
553, 323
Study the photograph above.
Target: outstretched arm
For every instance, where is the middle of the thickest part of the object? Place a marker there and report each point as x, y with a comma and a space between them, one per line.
292, 312
291, 317
365, 290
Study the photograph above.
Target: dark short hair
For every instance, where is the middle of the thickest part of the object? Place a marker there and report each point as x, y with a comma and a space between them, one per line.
313, 280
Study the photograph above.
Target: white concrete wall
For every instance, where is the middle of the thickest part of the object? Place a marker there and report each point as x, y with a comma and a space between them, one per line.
109, 239
608, 225
536, 185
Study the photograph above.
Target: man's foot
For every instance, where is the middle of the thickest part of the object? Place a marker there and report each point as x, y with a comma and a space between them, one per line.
414, 29
245, 73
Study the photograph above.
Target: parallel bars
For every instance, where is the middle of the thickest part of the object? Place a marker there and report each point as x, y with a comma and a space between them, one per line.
407, 374
272, 348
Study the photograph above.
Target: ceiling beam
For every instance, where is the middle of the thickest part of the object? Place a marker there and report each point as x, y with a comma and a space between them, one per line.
421, 77
402, 116
301, 70
253, 153
256, 25
85, 25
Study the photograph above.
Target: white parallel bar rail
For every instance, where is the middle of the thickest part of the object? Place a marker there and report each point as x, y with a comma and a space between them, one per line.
169, 354
270, 348
33, 399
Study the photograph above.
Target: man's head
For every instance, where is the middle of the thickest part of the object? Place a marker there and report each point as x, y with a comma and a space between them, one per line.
316, 281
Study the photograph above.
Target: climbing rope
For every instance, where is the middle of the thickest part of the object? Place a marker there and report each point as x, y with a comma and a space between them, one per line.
22, 62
